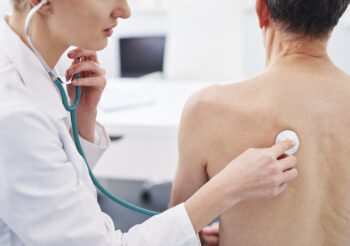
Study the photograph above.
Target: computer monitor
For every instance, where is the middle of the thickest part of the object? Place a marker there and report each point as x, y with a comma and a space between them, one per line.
141, 55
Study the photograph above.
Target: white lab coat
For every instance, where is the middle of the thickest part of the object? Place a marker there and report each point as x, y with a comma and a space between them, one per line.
46, 195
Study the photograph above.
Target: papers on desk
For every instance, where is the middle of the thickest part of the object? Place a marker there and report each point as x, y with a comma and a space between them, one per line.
123, 98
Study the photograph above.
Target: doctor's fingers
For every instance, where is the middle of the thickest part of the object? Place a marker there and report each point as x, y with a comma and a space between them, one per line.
282, 187
289, 175
210, 240
77, 53
280, 148
287, 163
87, 66
99, 83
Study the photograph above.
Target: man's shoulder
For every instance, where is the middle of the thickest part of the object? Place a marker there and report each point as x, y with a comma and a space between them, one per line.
210, 108
220, 99
217, 110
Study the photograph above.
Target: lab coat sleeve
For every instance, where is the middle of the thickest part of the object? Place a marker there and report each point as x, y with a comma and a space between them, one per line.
93, 151
43, 201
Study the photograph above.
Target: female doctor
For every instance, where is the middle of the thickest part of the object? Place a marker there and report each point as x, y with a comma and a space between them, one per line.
46, 195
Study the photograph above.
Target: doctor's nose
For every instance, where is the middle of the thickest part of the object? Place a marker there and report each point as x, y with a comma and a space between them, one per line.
122, 10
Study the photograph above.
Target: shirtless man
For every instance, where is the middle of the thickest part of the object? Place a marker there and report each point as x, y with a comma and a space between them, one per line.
301, 90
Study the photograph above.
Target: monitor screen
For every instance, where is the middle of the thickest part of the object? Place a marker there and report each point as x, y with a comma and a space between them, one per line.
141, 55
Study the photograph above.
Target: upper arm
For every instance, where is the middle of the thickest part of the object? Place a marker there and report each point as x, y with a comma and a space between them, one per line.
192, 146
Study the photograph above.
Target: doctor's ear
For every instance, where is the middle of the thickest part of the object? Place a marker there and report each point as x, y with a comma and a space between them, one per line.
45, 9
263, 13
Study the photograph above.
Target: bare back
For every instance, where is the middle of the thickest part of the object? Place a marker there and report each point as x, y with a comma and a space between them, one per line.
315, 103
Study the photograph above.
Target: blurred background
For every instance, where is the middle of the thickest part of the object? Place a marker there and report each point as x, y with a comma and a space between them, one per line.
154, 61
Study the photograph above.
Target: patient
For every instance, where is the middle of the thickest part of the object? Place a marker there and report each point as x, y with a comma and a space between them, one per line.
301, 90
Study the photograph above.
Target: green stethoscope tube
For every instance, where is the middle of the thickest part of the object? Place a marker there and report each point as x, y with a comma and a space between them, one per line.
72, 110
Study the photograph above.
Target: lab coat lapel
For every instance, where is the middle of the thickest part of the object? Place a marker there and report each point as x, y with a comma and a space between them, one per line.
34, 76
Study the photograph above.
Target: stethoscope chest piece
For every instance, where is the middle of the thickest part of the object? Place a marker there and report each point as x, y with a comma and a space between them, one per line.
289, 135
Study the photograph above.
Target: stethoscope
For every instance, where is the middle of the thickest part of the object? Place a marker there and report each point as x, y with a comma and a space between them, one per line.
72, 109
288, 134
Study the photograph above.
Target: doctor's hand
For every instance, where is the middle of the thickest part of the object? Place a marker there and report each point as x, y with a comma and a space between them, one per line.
263, 173
256, 174
210, 235
92, 81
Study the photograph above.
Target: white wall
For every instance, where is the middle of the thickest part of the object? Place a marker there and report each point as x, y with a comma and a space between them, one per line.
204, 40
207, 40
339, 43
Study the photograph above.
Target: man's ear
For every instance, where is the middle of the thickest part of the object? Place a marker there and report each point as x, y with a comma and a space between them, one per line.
45, 9
263, 13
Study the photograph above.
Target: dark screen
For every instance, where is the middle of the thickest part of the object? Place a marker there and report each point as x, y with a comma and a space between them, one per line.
141, 55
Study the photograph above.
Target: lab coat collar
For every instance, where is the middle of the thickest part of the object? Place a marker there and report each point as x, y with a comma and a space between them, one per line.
34, 76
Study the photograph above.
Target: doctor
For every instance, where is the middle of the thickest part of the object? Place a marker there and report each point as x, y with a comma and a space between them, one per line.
46, 195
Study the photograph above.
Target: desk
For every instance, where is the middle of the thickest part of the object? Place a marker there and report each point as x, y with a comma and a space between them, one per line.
148, 148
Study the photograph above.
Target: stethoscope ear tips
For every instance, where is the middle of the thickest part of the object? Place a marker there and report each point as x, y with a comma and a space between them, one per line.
289, 135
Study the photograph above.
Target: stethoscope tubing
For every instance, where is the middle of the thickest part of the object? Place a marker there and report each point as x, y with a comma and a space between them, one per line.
72, 109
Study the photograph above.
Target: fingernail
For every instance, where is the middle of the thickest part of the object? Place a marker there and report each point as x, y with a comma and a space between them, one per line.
70, 71
71, 54
74, 81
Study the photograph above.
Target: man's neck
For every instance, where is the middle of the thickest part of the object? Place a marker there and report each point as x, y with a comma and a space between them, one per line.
284, 46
